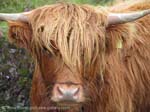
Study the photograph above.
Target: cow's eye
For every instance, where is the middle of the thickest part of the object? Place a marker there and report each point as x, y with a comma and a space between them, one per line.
46, 51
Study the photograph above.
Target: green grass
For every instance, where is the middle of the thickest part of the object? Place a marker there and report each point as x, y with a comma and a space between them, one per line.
20, 5
4, 28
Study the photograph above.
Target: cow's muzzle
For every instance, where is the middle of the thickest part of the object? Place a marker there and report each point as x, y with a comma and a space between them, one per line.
67, 93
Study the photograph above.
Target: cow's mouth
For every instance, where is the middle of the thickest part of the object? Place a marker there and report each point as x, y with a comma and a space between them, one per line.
68, 103
70, 106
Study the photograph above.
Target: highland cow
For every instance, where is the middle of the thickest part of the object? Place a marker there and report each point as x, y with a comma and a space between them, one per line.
88, 59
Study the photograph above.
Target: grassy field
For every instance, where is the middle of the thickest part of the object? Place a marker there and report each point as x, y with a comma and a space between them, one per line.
21, 5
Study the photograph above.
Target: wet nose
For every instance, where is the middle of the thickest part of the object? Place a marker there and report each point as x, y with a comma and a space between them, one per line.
67, 93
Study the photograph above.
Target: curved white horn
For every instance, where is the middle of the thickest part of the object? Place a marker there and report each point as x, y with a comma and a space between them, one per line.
14, 17
117, 18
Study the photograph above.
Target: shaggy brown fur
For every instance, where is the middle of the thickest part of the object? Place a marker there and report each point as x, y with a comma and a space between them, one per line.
118, 80
72, 34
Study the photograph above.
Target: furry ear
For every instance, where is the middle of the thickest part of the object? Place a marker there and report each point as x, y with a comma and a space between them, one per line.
20, 33
115, 36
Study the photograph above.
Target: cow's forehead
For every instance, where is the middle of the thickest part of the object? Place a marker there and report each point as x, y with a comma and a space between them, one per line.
65, 11
76, 31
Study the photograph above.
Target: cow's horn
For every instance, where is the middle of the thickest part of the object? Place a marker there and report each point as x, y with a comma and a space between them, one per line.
14, 17
117, 18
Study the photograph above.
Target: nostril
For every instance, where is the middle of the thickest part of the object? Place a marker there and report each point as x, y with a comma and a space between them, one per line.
76, 92
73, 90
60, 91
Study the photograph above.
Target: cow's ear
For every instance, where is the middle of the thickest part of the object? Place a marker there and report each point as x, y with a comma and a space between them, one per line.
116, 36
20, 33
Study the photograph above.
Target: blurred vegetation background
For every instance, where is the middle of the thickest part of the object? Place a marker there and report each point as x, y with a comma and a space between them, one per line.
16, 66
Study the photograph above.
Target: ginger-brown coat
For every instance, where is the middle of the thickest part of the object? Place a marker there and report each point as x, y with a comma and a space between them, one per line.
116, 79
